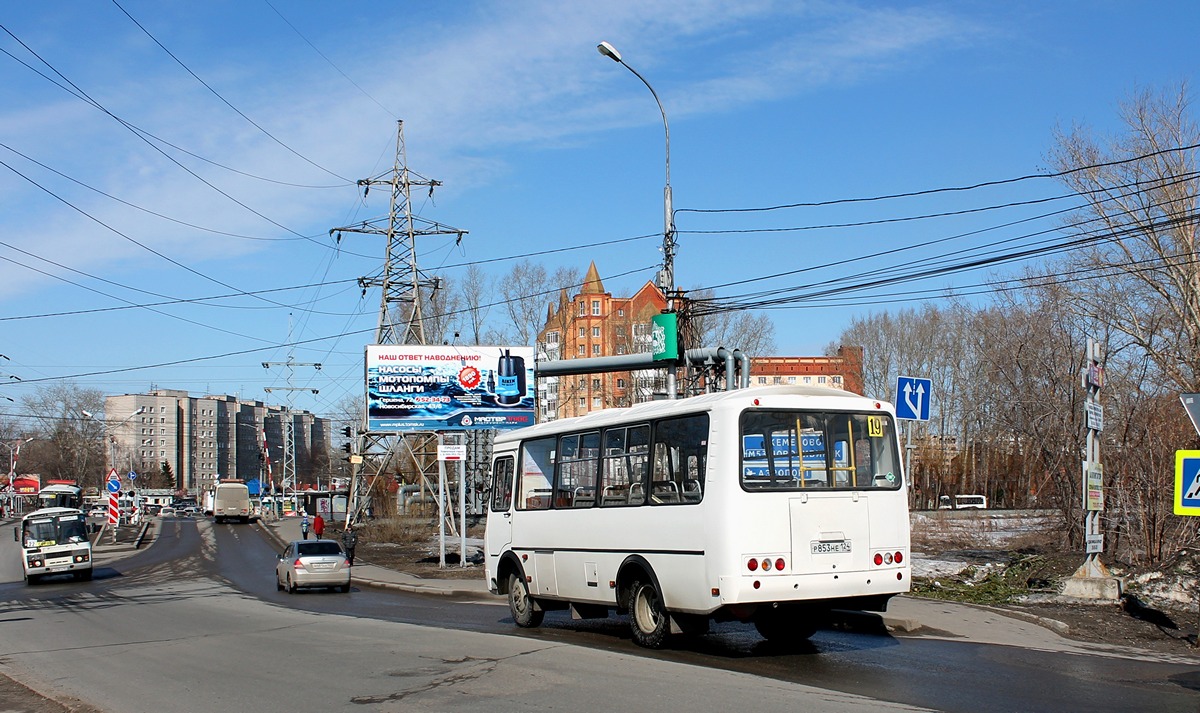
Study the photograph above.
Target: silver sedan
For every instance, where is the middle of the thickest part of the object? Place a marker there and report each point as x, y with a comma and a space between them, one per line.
312, 563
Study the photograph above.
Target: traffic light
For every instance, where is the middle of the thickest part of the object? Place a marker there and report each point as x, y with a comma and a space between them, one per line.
346, 447
347, 431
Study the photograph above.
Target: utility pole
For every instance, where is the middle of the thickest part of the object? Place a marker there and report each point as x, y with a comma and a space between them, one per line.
404, 289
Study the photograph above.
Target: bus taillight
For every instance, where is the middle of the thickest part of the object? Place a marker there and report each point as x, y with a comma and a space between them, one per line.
752, 565
899, 557
779, 564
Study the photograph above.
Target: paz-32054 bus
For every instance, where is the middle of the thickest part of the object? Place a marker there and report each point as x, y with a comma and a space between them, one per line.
769, 505
54, 541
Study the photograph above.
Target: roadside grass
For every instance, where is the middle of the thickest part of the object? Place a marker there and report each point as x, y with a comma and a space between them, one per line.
992, 583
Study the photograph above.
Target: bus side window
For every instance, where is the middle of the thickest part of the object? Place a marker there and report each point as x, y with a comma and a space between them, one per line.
626, 458
502, 477
680, 449
536, 470
577, 465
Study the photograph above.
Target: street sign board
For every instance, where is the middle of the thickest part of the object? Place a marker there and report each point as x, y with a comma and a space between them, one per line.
113, 484
1187, 482
1094, 543
1191, 402
664, 331
452, 451
1093, 486
132, 475
912, 398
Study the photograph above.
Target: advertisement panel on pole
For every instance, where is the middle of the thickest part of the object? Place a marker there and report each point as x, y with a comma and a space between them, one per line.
448, 388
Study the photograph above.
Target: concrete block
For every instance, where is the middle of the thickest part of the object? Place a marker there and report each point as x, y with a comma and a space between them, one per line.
1106, 589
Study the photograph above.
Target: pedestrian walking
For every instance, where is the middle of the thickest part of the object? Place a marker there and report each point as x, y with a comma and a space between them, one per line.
318, 526
349, 540
304, 527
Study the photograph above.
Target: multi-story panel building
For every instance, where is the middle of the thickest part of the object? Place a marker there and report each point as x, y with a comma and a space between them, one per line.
201, 439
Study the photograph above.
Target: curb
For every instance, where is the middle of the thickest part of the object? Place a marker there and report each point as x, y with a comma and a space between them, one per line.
414, 588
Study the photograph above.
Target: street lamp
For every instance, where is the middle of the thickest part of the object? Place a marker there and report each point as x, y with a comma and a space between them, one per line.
112, 439
666, 278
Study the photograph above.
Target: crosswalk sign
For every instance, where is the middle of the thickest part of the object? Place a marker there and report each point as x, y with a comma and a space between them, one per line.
1187, 482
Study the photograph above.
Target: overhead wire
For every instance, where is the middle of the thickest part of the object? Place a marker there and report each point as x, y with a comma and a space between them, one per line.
225, 101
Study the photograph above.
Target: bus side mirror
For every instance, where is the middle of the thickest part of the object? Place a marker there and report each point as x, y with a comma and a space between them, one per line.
16, 534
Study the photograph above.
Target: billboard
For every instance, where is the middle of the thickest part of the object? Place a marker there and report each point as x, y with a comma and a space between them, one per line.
448, 388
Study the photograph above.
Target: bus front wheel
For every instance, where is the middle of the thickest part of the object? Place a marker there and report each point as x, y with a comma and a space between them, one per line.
647, 617
521, 605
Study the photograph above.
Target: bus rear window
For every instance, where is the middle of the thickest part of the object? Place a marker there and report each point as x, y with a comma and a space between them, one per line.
795, 450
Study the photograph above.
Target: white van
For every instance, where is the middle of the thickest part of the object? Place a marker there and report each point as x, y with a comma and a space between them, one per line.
970, 502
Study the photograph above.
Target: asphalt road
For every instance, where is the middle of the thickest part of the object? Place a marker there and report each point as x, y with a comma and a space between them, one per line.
235, 562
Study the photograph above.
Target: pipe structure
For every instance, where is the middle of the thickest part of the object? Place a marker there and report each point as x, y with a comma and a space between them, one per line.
744, 359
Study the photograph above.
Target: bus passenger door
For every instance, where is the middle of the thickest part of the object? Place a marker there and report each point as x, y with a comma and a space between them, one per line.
499, 518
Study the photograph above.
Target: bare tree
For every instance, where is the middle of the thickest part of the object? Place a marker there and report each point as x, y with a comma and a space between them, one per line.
752, 332
525, 289
76, 440
477, 289
1141, 191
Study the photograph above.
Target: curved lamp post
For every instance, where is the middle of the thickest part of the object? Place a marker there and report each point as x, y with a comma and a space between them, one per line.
666, 278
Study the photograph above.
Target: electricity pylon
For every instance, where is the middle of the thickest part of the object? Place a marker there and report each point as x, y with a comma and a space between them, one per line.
403, 289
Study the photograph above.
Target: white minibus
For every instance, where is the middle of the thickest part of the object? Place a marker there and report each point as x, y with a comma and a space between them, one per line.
769, 505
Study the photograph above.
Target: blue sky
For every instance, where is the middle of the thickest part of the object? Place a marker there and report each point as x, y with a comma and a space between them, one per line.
541, 144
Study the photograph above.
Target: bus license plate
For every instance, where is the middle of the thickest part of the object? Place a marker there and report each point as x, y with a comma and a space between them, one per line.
828, 548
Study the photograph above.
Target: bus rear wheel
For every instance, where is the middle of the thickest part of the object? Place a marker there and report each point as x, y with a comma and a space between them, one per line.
521, 605
647, 617
83, 575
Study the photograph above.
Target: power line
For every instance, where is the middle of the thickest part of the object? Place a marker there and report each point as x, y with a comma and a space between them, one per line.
225, 101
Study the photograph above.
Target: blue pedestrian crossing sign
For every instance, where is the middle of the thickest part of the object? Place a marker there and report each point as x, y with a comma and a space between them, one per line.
1187, 482
912, 398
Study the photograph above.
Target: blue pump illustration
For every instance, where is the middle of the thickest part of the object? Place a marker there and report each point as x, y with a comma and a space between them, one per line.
510, 381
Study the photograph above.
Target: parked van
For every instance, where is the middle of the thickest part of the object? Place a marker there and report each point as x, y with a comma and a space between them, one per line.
962, 502
970, 502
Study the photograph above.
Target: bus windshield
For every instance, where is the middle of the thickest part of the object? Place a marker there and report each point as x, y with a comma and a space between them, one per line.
54, 530
793, 450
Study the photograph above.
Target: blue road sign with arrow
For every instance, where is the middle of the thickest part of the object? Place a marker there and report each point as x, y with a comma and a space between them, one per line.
912, 398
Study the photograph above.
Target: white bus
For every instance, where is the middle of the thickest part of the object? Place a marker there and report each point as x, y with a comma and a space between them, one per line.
769, 505
54, 541
231, 501
60, 495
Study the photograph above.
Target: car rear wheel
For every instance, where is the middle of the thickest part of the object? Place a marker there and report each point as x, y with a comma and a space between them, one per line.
345, 588
291, 586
